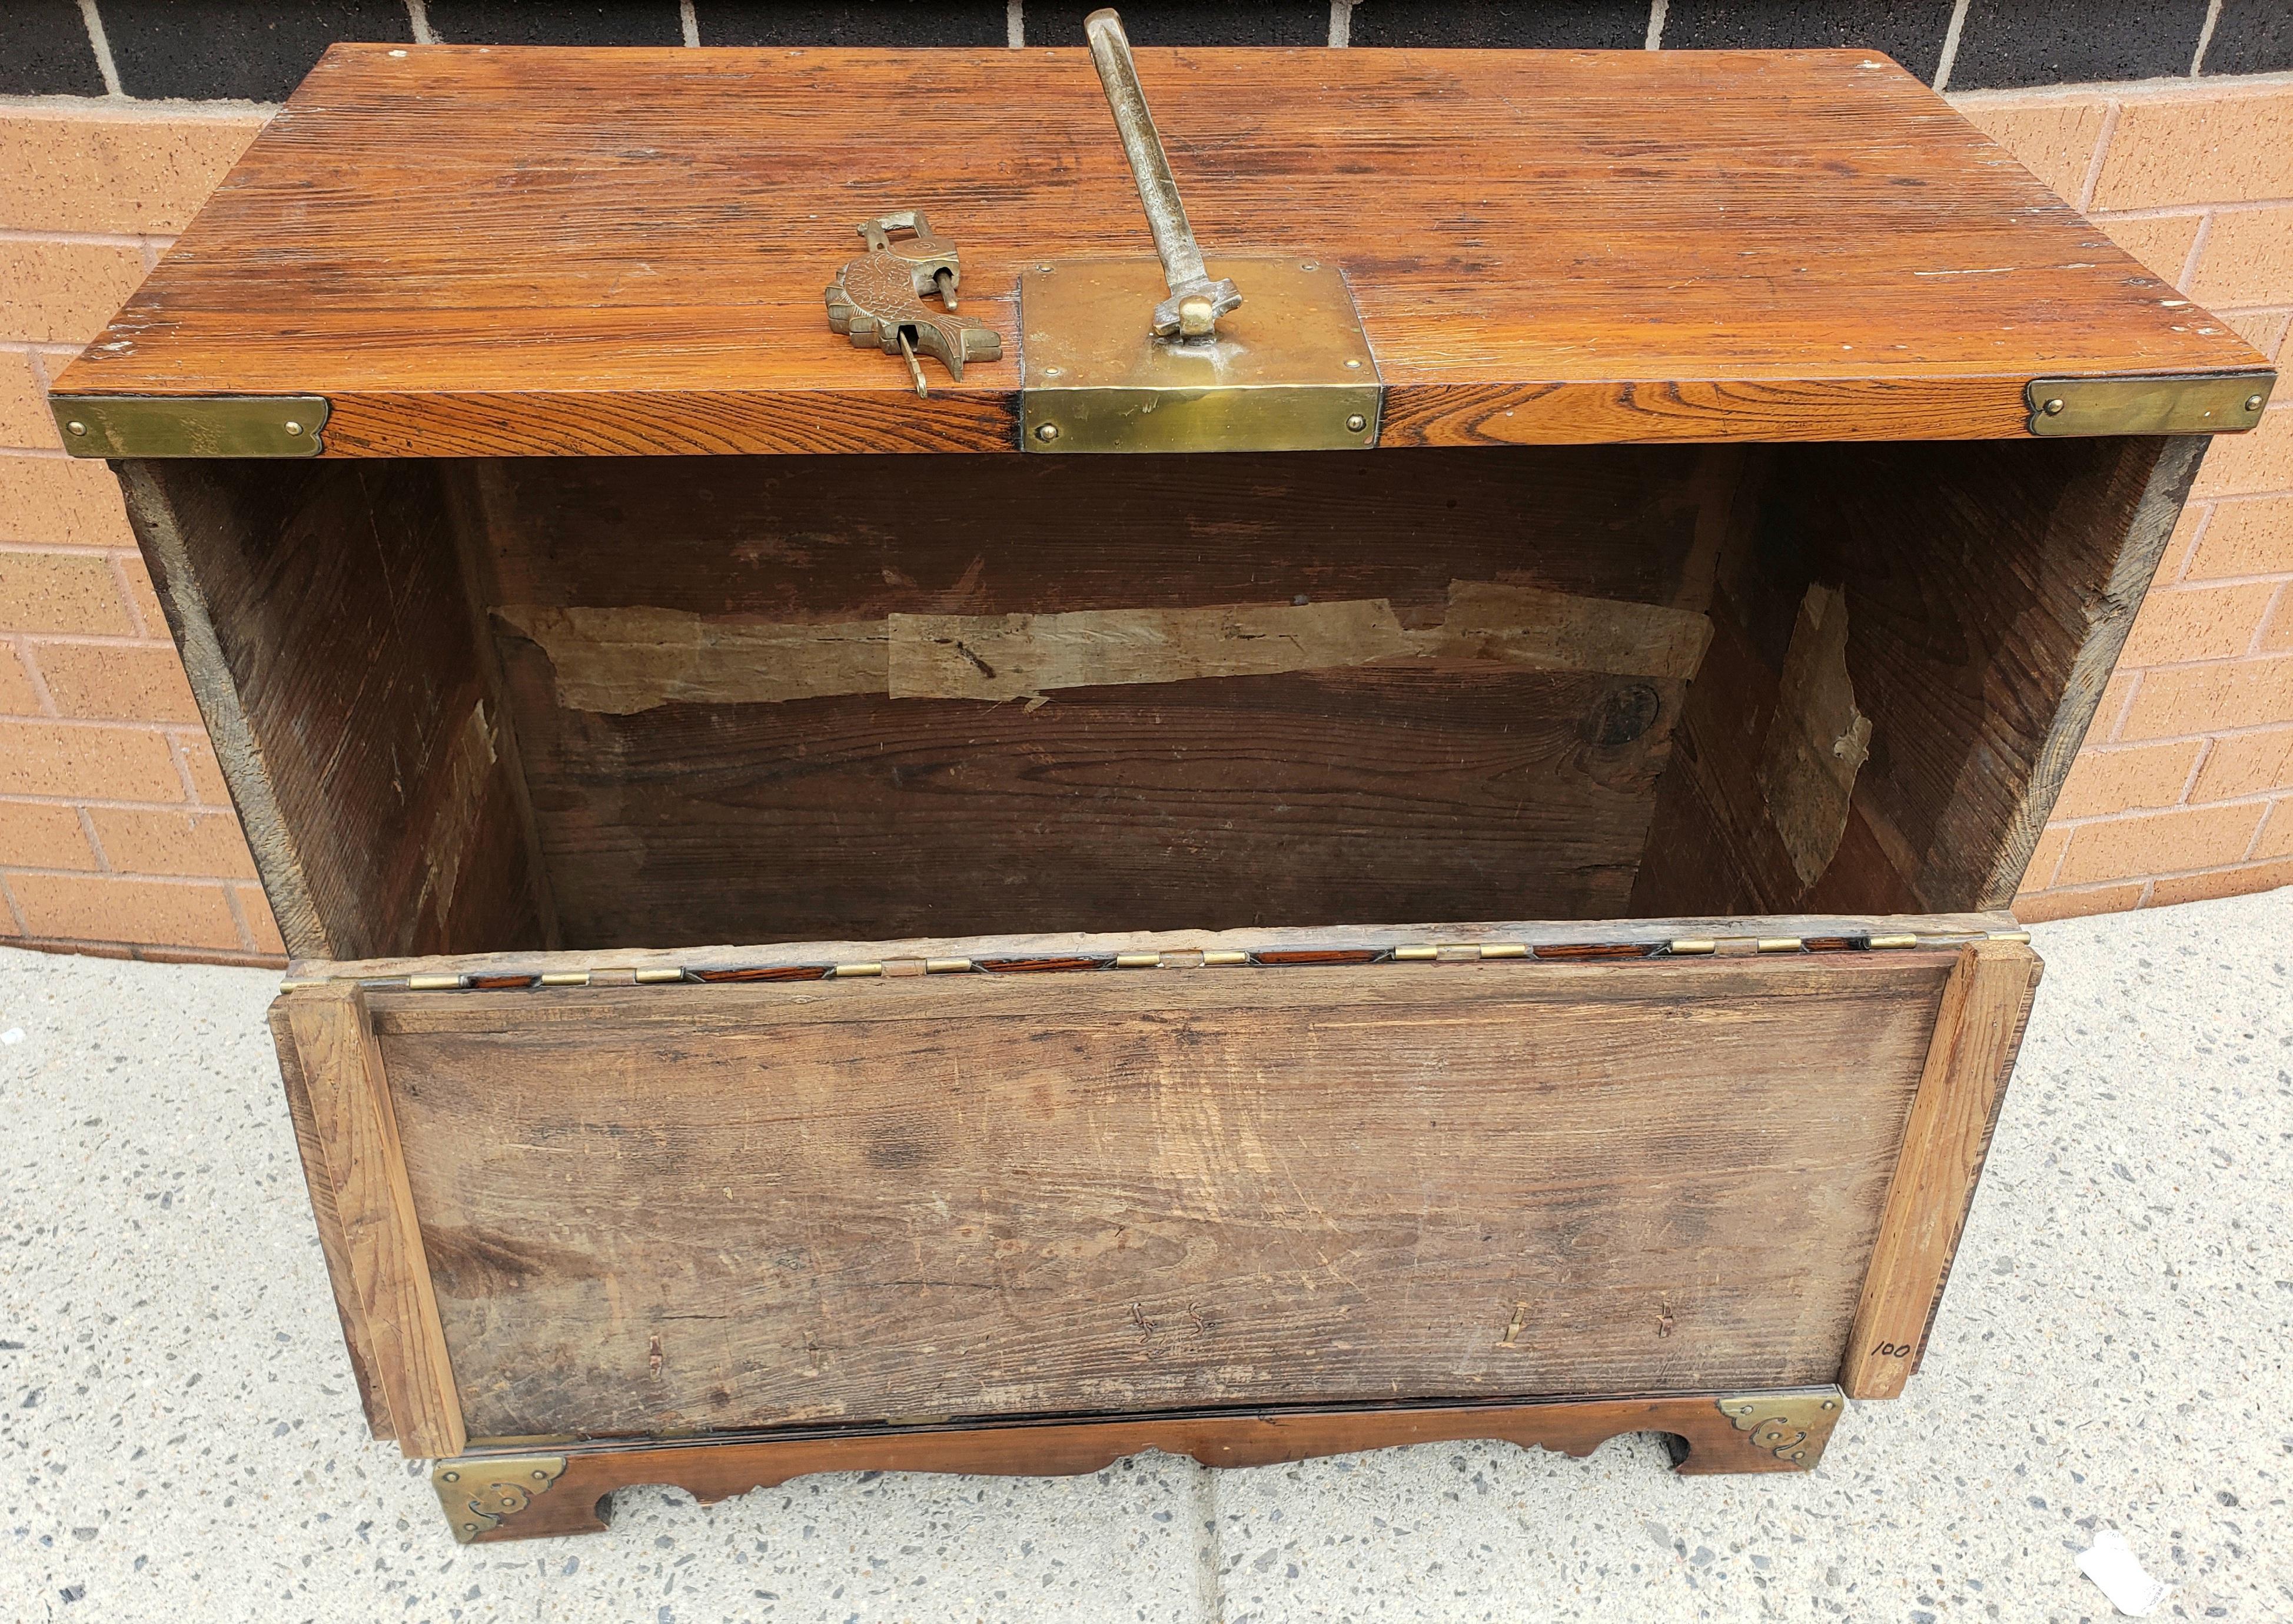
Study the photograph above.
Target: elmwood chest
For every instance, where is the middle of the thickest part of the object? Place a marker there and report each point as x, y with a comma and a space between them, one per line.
834, 930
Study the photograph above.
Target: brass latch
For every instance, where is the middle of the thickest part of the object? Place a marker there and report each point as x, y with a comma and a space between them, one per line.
1164, 354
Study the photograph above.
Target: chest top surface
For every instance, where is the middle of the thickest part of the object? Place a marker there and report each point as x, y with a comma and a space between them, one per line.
473, 251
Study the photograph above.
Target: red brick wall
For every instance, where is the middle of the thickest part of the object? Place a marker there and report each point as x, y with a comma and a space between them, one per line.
116, 834
2186, 787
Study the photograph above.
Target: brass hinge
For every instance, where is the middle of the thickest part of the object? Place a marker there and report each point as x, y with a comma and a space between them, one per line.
479, 1491
190, 425
2181, 403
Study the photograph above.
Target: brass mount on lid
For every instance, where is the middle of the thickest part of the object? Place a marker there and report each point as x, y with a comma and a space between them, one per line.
1165, 354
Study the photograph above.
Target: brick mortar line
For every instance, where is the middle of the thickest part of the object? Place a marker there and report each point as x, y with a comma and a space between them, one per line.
15, 913
2125, 747
96, 802
2173, 210
2179, 87
2087, 887
143, 952
2218, 659
2263, 798
33, 871
138, 240
87, 640
169, 728
2190, 586
132, 109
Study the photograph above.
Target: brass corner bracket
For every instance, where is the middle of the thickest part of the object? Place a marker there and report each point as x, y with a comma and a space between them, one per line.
190, 425
2181, 403
479, 1491
1791, 1426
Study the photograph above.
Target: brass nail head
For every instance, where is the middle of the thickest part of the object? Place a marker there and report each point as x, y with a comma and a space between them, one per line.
293, 427
1357, 423
2054, 408
2253, 403
1047, 432
1353, 366
76, 427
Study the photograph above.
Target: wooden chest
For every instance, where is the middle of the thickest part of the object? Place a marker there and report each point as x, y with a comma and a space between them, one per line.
836, 931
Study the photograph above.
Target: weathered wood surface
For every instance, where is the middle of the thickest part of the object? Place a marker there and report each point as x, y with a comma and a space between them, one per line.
1412, 788
1987, 589
376, 1237
652, 1208
502, 252
327, 639
333, 1243
1978, 1030
576, 1501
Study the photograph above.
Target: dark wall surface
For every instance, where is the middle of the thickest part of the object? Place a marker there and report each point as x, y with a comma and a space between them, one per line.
258, 50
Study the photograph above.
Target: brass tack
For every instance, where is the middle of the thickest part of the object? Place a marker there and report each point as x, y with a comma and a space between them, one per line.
539, 1474
2253, 403
453, 1477
1353, 366
293, 427
1357, 423
2054, 408
1047, 432
76, 427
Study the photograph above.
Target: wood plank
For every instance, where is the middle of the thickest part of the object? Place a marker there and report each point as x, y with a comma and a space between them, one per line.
330, 644
1988, 590
1977, 1033
503, 252
1303, 799
332, 1241
1787, 1433
1229, 800
352, 1132
661, 1207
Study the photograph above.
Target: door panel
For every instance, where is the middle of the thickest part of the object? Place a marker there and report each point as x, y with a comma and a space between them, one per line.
646, 1209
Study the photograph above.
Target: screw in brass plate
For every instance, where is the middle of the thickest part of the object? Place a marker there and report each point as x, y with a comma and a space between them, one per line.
1047, 432
2253, 403
76, 427
1357, 423
2054, 408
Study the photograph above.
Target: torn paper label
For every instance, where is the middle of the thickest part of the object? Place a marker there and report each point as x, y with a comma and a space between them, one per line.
2111, 1563
617, 661
1816, 739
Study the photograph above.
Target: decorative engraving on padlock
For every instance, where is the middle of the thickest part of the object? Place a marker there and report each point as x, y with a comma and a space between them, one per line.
878, 300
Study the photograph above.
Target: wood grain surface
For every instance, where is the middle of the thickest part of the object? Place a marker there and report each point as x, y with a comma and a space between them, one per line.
329, 640
1709, 1440
1416, 791
488, 251
1978, 1030
650, 1208
1988, 590
378, 1241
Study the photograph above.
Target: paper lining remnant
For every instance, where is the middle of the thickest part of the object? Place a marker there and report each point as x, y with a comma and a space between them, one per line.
618, 661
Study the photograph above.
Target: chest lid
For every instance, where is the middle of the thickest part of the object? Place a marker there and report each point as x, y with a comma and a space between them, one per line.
472, 251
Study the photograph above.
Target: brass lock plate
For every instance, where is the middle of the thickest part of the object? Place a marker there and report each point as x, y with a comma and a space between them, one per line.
1290, 370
